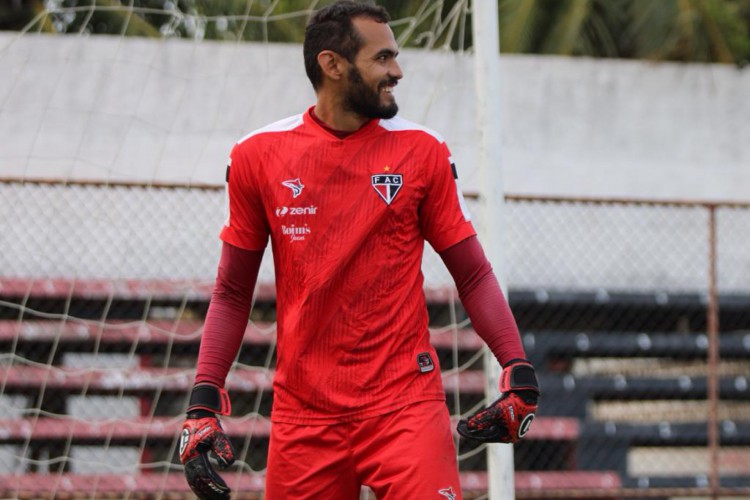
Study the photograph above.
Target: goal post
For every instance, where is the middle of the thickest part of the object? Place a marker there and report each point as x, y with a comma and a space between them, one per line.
111, 171
486, 39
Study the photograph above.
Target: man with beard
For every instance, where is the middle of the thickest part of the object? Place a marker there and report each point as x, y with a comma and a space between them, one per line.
347, 193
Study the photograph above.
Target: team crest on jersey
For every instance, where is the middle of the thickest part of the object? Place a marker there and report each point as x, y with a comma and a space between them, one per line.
295, 185
387, 186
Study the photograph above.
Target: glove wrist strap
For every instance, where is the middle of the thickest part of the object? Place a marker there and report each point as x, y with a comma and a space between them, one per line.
519, 375
210, 398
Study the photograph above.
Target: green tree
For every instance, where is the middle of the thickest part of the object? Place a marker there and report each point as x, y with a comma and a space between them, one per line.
670, 30
663, 30
687, 30
16, 15
566, 27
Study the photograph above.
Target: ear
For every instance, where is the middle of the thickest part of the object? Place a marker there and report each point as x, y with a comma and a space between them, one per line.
332, 64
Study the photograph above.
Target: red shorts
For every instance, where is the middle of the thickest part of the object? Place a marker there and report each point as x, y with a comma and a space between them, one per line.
408, 453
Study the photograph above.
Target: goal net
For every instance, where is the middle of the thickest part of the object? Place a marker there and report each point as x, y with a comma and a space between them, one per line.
117, 119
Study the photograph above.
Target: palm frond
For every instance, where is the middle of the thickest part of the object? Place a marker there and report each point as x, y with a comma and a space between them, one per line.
568, 27
519, 22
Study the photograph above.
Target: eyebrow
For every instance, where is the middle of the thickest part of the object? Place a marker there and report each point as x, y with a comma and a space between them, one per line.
386, 52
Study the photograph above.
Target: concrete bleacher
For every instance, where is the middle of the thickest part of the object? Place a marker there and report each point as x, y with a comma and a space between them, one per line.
640, 393
568, 449
249, 485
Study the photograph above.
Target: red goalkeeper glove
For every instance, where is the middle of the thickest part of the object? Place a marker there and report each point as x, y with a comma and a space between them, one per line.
508, 419
201, 433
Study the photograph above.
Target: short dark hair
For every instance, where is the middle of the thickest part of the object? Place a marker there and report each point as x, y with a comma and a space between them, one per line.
331, 28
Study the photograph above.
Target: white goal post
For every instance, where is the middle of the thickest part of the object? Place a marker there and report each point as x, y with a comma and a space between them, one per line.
486, 46
111, 165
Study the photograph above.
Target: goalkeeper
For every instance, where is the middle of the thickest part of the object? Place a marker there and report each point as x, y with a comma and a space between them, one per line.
347, 193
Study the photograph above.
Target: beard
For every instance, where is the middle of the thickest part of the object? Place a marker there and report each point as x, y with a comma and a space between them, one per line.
364, 101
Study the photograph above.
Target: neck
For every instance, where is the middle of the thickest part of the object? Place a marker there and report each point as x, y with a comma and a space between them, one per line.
330, 110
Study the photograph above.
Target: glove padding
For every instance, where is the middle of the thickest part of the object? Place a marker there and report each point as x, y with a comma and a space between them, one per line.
508, 419
199, 436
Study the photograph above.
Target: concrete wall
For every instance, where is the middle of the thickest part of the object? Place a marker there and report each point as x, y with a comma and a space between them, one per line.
116, 108
169, 110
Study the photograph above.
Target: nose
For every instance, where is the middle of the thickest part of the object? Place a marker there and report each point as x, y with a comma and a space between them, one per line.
395, 70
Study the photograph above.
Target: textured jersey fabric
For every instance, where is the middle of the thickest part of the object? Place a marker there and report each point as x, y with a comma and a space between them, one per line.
347, 220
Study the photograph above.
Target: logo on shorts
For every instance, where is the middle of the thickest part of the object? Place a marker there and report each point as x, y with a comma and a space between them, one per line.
295, 185
448, 493
387, 186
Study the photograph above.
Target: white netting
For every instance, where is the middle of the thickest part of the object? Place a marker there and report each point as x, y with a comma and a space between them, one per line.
107, 264
112, 153
99, 332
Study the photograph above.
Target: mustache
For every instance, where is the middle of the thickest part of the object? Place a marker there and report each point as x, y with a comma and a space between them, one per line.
389, 82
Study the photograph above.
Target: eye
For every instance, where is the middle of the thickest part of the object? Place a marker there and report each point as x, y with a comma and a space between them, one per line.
385, 56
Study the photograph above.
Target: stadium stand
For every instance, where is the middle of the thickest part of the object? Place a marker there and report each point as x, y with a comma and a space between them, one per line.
568, 448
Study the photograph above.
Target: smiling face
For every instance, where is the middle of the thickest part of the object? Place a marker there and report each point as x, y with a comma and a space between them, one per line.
374, 72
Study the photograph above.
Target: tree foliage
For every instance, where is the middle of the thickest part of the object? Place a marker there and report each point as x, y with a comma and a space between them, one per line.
671, 30
664, 30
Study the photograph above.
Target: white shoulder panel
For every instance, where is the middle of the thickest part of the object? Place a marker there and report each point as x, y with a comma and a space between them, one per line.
283, 125
397, 123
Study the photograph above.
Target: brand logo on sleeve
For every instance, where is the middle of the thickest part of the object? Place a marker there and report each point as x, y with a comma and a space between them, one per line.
459, 191
387, 186
295, 185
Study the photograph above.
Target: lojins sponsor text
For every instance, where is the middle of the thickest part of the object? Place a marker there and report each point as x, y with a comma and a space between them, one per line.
296, 233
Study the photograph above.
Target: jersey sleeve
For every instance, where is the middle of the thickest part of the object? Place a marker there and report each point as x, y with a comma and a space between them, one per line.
444, 217
245, 226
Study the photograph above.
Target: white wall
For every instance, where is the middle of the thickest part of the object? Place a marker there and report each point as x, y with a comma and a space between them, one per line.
169, 110
115, 108
619, 128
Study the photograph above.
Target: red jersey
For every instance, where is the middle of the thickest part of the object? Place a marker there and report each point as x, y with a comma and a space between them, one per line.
347, 219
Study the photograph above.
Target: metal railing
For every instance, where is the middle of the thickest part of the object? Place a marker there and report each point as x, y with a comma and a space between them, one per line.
635, 312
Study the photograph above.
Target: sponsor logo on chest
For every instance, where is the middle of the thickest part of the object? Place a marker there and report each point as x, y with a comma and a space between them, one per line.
287, 211
448, 493
295, 185
296, 233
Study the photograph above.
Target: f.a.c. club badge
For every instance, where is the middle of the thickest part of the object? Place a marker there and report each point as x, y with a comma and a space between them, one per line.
387, 186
